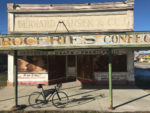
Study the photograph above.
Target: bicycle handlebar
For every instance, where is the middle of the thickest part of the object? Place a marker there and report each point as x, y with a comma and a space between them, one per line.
59, 85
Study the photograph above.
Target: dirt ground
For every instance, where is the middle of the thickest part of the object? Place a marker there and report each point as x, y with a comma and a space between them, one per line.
91, 98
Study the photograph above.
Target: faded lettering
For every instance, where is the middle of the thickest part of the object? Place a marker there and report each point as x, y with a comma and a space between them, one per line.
75, 40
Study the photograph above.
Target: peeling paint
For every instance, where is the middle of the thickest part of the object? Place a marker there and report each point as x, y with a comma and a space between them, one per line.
74, 41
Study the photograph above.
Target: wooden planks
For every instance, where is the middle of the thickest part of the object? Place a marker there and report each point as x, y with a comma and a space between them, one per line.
71, 7
70, 18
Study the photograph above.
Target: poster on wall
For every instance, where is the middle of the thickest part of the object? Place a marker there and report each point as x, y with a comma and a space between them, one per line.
32, 77
32, 64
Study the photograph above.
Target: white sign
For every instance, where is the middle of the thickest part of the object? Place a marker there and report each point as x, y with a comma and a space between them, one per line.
24, 77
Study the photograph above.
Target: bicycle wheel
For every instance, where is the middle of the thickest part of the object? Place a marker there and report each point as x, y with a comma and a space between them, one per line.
36, 100
60, 99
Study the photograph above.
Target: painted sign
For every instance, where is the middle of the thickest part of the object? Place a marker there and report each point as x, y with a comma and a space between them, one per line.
72, 18
73, 23
26, 77
70, 52
71, 41
103, 76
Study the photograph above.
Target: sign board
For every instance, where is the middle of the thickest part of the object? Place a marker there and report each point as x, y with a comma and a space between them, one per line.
72, 23
74, 41
29, 77
64, 18
70, 52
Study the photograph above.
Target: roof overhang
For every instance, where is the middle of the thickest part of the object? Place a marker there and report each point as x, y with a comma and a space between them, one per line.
73, 41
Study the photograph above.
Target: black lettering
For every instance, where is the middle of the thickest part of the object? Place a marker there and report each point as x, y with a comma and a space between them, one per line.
90, 40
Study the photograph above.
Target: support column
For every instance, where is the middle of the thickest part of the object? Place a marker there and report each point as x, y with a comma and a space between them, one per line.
10, 81
15, 78
130, 67
110, 78
15, 70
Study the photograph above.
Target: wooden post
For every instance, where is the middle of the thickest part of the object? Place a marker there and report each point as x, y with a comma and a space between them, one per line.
110, 79
15, 78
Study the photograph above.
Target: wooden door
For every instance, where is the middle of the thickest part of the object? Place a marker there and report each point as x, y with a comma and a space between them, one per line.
57, 67
85, 67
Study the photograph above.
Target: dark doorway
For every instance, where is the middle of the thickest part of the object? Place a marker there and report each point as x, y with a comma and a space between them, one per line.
3, 70
56, 68
85, 67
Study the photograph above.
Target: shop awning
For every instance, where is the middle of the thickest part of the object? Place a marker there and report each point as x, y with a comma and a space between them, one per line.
79, 40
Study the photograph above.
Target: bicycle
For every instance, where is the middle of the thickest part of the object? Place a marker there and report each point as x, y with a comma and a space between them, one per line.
59, 98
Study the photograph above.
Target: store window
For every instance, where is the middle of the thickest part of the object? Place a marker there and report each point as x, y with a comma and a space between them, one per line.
119, 63
32, 64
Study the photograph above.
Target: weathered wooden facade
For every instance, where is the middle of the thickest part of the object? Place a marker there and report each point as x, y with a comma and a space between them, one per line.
87, 61
92, 43
68, 42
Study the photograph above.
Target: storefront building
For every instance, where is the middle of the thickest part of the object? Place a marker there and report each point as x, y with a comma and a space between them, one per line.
61, 43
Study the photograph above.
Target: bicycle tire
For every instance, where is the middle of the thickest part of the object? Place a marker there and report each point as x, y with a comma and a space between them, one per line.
60, 103
36, 100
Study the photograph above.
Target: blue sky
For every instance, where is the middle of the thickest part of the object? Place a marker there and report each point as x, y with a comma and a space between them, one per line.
141, 12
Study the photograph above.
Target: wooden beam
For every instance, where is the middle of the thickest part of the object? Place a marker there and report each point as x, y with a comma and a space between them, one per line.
71, 7
16, 78
73, 41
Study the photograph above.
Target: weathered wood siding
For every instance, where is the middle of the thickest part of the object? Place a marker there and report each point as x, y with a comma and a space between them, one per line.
95, 17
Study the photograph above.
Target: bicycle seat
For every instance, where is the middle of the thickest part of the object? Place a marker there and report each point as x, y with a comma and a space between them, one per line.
40, 85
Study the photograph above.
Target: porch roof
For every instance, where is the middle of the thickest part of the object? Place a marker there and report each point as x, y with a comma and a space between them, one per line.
75, 40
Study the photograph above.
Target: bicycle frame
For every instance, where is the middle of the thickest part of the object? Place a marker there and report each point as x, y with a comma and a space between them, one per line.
46, 95
50, 95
